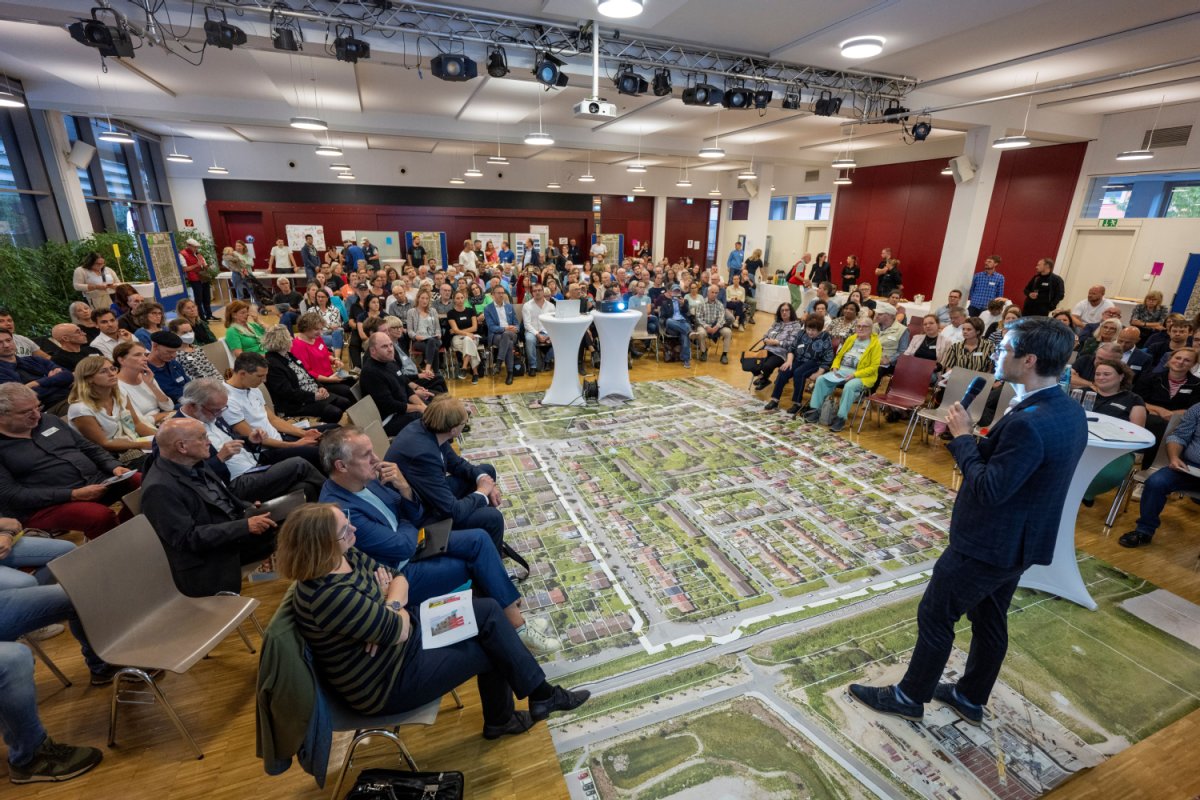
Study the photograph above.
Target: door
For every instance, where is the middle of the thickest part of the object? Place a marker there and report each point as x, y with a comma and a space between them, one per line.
1097, 257
247, 226
816, 239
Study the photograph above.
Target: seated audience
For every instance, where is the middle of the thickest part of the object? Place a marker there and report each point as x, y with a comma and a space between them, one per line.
535, 334
138, 383
842, 326
924, 345
50, 476
310, 347
855, 368
169, 374
953, 300
424, 383
1160, 346
991, 316
111, 334
126, 301
972, 351
735, 301
195, 362
287, 303
104, 416
1112, 382
1149, 316
384, 382
1106, 331
394, 674
810, 356
1089, 330
386, 513
69, 345
204, 527
1183, 448
711, 317
778, 342
893, 336
952, 333
424, 329
447, 484
251, 420
187, 309
1091, 308
464, 336
825, 293
241, 332
293, 391
1136, 359
1083, 370
1168, 392
150, 319
49, 381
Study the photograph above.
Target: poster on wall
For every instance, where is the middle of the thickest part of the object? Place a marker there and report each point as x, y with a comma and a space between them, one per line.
162, 260
615, 242
296, 233
517, 240
434, 243
484, 237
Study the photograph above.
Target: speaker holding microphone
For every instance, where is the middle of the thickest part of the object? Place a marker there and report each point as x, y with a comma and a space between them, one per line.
974, 388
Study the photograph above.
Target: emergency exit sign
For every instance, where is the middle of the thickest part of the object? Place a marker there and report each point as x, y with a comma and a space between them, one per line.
1108, 223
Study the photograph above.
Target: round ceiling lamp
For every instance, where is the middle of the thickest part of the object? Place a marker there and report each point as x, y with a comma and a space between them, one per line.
712, 152
842, 180
748, 174
457, 181
345, 176
639, 189
620, 9
498, 160
215, 170
329, 151
308, 124
340, 167
636, 168
176, 156
862, 46
539, 139
115, 136
683, 183
844, 163
715, 191
1011, 142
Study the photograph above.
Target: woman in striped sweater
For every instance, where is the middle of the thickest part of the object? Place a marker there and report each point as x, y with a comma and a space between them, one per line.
354, 614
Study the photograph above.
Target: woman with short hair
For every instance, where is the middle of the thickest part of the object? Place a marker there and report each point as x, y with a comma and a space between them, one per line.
193, 360
1113, 382
241, 331
150, 319
294, 392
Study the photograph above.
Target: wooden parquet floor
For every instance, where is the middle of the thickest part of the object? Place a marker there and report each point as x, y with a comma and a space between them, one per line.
216, 698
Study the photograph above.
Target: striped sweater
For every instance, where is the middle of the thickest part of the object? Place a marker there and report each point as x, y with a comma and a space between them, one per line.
338, 615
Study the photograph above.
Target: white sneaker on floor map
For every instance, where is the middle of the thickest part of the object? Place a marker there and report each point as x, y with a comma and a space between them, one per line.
539, 643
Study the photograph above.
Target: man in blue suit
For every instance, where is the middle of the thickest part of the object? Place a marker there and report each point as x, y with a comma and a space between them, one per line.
1005, 520
385, 512
503, 326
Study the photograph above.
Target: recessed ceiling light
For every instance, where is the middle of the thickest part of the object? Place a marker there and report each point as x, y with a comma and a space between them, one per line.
636, 168
1135, 155
712, 152
457, 181
539, 139
328, 151
340, 167
308, 124
1011, 142
620, 9
844, 163
862, 46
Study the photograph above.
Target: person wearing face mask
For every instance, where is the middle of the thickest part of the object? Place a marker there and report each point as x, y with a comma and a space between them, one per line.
193, 360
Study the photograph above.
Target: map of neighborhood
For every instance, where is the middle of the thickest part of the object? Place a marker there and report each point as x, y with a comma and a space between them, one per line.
711, 569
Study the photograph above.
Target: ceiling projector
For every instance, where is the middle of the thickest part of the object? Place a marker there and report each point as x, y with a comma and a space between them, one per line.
596, 109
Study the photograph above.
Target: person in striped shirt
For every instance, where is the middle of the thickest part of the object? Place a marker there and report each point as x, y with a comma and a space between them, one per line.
365, 640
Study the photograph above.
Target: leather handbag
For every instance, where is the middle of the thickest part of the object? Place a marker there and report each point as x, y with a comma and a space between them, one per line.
752, 357
395, 784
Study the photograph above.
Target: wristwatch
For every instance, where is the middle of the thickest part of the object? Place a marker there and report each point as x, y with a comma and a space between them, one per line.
395, 605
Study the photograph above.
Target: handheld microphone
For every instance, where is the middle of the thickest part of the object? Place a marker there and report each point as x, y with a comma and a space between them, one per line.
973, 389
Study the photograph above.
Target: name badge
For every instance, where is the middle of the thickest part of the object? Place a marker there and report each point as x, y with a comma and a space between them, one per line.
50, 431
1185, 391
1118, 405
181, 379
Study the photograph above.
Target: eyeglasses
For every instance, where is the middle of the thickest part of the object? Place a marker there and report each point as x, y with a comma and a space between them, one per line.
345, 531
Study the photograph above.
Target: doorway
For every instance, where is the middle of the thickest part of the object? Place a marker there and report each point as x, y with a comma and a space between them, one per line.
247, 226
1097, 257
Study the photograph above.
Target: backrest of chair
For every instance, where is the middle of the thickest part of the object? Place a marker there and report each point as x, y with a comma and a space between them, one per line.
1007, 393
916, 326
639, 327
356, 390
267, 397
115, 579
133, 501
976, 409
1162, 457
218, 354
364, 412
956, 386
379, 440
911, 378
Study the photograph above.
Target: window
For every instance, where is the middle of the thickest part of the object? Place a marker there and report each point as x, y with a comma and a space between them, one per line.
812, 207
1174, 195
134, 196
1115, 201
24, 193
779, 208
1183, 200
714, 219
739, 210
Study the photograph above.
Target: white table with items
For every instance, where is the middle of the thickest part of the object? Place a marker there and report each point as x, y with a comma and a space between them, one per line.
615, 329
565, 335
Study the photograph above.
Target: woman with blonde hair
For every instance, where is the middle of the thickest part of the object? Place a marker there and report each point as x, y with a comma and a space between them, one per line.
103, 414
1150, 315
294, 392
424, 327
138, 384
1106, 331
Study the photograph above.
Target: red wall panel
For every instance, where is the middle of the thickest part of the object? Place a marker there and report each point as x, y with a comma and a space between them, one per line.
685, 222
632, 220
1029, 207
901, 206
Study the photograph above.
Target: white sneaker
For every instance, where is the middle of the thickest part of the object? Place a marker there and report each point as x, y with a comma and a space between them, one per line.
541, 623
539, 643
45, 632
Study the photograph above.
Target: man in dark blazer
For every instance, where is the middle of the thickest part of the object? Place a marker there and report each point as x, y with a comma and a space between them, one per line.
200, 522
384, 382
447, 484
1138, 360
502, 333
1005, 520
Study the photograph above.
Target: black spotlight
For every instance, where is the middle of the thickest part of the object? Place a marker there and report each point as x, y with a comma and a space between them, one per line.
895, 113
112, 41
702, 94
920, 131
662, 82
762, 97
497, 62
285, 33
826, 105
547, 69
629, 82
453, 67
347, 48
791, 100
220, 33
737, 97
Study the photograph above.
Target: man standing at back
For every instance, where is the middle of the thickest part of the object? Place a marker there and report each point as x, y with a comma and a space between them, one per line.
986, 286
737, 257
1005, 520
310, 258
1044, 291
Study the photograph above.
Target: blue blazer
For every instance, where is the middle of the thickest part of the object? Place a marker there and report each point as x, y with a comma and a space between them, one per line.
374, 535
1015, 481
492, 318
427, 467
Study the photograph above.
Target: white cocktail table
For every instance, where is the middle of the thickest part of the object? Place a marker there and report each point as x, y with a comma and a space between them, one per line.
615, 329
565, 335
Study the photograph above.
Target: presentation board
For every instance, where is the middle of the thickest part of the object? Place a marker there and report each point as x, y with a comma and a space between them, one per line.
296, 233
162, 260
434, 243
388, 242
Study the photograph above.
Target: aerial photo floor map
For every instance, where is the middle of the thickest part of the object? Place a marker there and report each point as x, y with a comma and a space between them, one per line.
718, 576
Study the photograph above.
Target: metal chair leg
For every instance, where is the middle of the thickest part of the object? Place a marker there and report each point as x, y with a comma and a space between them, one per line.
458, 703
359, 738
157, 694
45, 659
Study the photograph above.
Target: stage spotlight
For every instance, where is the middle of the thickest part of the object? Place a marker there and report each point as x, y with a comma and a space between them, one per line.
702, 94
629, 82
347, 48
112, 41
497, 62
285, 32
737, 97
547, 69
453, 67
791, 100
662, 82
826, 105
220, 33
895, 113
920, 131
762, 97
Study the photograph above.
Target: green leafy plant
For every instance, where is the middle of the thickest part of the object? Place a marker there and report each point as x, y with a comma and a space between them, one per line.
207, 248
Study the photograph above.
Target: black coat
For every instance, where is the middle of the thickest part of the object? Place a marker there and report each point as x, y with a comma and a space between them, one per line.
284, 385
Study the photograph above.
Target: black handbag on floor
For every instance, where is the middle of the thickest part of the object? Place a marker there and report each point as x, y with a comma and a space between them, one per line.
396, 784
751, 359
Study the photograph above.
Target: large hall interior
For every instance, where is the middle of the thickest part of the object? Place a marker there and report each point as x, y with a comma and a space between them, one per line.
197, 196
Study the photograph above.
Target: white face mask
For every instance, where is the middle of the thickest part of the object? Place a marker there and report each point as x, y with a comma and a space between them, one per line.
188, 338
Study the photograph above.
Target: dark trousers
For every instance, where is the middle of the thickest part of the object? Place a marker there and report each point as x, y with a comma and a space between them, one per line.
1158, 487
798, 374
279, 479
428, 349
505, 343
488, 518
399, 422
341, 390
328, 410
768, 365
205, 582
309, 452
202, 294
469, 556
962, 585
496, 657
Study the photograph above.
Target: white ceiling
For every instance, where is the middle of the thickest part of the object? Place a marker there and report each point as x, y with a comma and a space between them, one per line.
964, 49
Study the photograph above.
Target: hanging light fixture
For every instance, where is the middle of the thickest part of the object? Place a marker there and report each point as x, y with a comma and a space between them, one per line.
715, 151
639, 189
474, 171
1145, 152
112, 134
345, 176
843, 179
1013, 142
329, 151
308, 124
554, 184
340, 167
215, 169
457, 180
684, 181
497, 159
637, 166
715, 191
175, 155
8, 97
539, 138
588, 177
844, 159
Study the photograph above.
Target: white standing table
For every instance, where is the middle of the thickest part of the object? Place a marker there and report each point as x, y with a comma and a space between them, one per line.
615, 331
768, 296
565, 335
1061, 576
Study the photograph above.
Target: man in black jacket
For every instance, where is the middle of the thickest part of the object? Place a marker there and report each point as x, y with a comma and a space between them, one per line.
383, 380
202, 524
1044, 291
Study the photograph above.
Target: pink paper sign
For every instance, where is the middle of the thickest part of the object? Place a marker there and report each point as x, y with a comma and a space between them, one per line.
1156, 269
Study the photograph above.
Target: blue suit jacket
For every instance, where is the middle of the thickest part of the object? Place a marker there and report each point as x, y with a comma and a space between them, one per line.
1139, 362
426, 467
1015, 481
492, 318
374, 535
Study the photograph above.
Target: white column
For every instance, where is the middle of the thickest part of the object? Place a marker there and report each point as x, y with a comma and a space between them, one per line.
760, 210
658, 229
968, 215
64, 180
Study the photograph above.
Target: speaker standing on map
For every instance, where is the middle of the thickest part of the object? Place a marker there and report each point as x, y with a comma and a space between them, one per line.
1005, 520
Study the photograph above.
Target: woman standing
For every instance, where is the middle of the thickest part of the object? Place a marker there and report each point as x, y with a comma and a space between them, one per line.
138, 384
820, 270
1113, 381
780, 339
424, 329
464, 326
294, 392
241, 332
186, 309
95, 281
149, 318
850, 273
238, 269
1150, 315
193, 360
103, 415
751, 266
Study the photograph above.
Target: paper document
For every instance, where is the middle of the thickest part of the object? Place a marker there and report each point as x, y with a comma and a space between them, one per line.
1114, 430
447, 619
1193, 470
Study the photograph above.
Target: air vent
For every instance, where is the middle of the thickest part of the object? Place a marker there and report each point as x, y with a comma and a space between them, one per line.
1167, 137
812, 175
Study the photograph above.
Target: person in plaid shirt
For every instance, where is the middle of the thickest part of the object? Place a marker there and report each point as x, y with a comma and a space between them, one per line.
986, 286
711, 316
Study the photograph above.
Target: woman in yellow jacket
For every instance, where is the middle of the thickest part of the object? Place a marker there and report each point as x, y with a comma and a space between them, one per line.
855, 368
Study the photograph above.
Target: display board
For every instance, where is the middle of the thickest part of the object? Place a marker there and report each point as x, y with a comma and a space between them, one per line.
388, 242
495, 238
162, 260
434, 243
540, 241
615, 242
296, 233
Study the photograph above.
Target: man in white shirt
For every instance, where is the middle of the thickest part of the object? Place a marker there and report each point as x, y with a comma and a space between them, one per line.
598, 253
535, 334
247, 414
282, 258
952, 333
204, 400
467, 258
25, 345
111, 334
1091, 310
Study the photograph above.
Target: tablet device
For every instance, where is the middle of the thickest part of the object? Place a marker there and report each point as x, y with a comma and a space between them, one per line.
433, 540
278, 507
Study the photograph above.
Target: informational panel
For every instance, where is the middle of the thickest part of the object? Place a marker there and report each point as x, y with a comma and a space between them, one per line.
615, 242
434, 243
388, 242
162, 259
296, 234
517, 240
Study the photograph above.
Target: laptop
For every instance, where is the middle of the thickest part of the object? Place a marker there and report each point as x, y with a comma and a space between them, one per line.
565, 309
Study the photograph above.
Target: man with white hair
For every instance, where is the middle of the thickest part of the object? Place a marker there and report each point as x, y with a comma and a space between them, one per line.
893, 336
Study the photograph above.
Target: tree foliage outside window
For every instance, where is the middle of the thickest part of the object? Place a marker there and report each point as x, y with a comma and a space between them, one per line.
1184, 202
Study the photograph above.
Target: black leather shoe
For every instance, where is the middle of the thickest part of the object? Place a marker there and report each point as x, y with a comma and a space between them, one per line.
944, 693
561, 700
771, 405
508, 379
760, 384
519, 722
704, 356
724, 358
532, 372
795, 409
1135, 538
883, 699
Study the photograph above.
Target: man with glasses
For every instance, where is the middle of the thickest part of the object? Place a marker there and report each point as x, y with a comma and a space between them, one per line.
209, 533
50, 476
69, 345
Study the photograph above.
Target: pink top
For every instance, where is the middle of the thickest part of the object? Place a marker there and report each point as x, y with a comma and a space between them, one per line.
314, 357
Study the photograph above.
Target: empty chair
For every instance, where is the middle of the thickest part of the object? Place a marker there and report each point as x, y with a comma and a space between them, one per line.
122, 589
641, 333
956, 386
906, 391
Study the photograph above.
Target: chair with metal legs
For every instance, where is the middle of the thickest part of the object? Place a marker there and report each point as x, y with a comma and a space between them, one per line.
33, 645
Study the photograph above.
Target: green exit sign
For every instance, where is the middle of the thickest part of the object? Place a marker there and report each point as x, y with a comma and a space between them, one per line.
1108, 223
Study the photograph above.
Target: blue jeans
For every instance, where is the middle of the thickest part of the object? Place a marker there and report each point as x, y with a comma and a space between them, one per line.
30, 551
470, 557
335, 341
1158, 487
533, 357
683, 329
825, 386
238, 287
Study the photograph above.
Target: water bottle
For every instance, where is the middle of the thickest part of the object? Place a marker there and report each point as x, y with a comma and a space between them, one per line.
1064, 382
